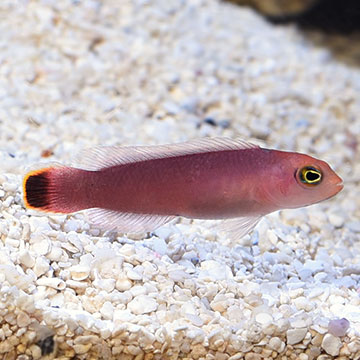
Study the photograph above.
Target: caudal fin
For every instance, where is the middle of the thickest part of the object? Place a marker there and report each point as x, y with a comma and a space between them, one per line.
37, 189
51, 189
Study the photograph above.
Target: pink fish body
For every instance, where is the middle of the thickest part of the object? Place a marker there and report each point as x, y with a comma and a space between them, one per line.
133, 189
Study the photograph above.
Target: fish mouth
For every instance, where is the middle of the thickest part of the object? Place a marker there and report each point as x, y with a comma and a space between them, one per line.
338, 182
339, 186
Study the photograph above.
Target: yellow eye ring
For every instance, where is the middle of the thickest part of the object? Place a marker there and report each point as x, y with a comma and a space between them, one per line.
310, 176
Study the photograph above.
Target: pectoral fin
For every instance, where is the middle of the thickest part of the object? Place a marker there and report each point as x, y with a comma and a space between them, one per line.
237, 228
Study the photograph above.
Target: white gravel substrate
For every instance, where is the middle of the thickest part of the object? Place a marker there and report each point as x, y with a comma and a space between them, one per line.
75, 74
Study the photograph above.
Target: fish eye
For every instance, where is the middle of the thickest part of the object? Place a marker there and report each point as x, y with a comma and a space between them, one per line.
310, 176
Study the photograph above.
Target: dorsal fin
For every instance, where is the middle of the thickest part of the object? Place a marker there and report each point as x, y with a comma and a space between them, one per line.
100, 157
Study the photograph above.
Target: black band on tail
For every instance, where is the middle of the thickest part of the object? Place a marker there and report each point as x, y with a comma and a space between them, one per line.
36, 189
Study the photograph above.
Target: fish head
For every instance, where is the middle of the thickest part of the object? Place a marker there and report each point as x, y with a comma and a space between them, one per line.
300, 180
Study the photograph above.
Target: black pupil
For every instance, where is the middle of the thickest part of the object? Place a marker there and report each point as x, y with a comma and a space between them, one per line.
312, 176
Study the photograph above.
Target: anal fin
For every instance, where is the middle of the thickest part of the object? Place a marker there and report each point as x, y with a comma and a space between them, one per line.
126, 222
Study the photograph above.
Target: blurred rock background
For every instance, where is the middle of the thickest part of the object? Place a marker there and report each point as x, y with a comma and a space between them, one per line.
328, 15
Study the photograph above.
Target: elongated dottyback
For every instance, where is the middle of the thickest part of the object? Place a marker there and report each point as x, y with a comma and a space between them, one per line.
136, 189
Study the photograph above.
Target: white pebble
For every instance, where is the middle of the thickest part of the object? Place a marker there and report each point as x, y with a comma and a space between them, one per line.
353, 226
294, 336
71, 225
314, 266
54, 283
105, 333
41, 247
26, 258
123, 284
74, 239
79, 272
23, 319
41, 266
14, 233
137, 290
86, 259
321, 276
69, 247
272, 237
336, 219
7, 202
12, 242
315, 293
213, 270
107, 310
302, 303
263, 318
10, 187
82, 349
133, 275
77, 284
39, 223
57, 300
159, 245
120, 316
277, 344
195, 320
188, 308
35, 352
55, 253
127, 250
15, 277
298, 323
105, 284
331, 344
142, 304
178, 275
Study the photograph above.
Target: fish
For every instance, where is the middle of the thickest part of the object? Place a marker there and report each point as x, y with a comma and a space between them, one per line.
140, 188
